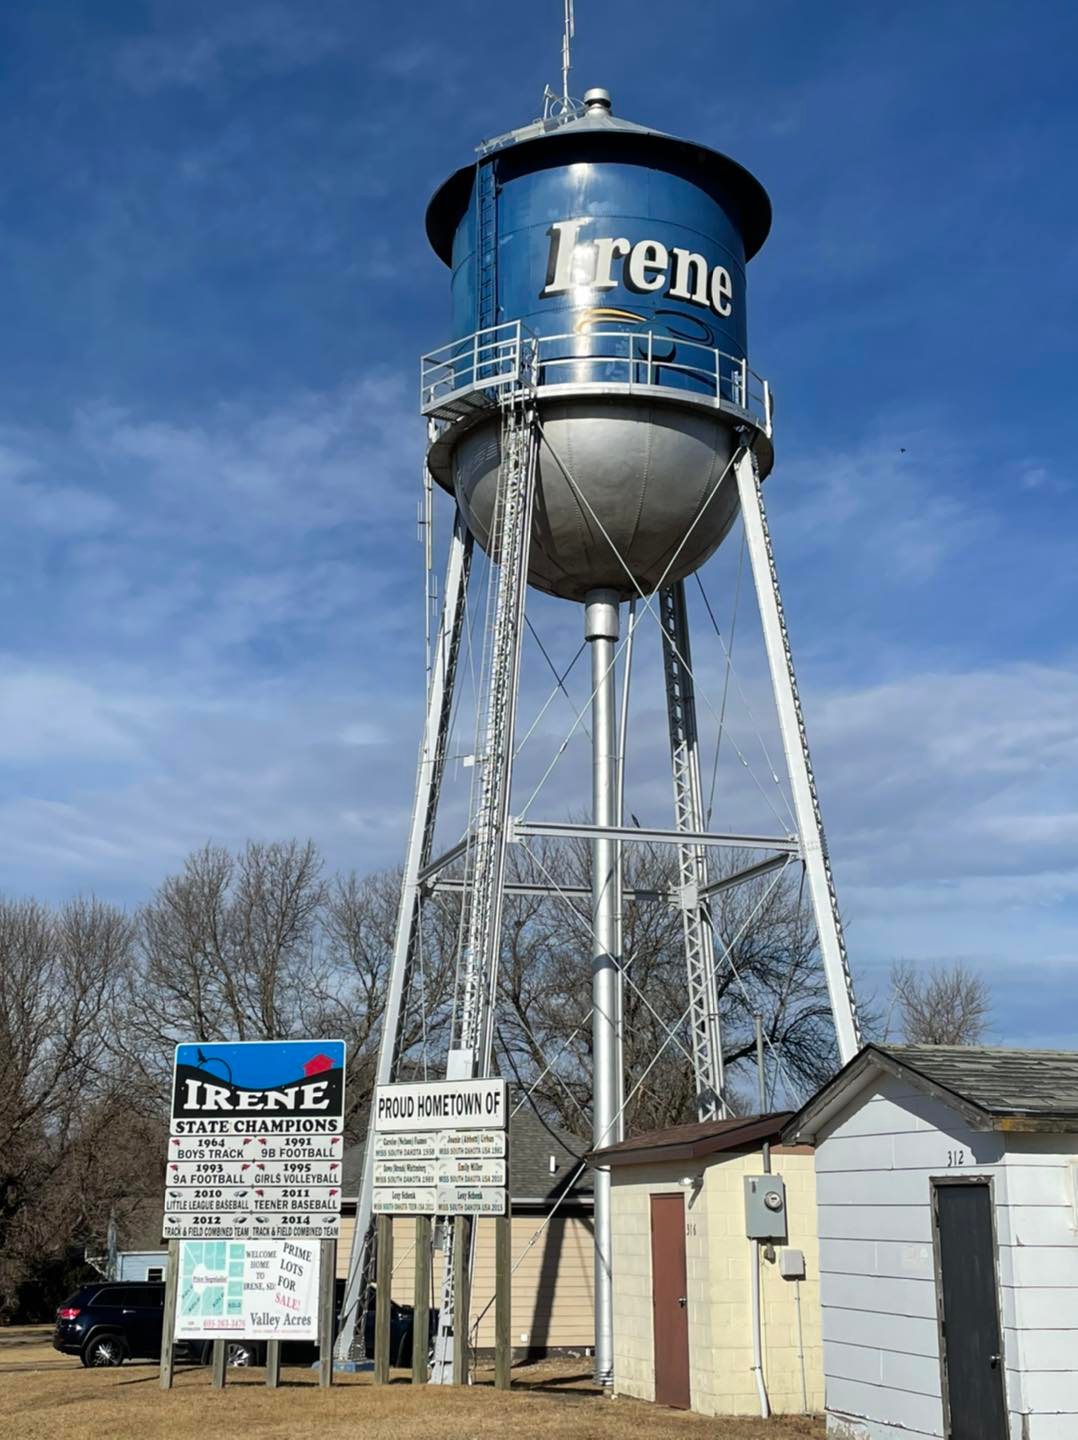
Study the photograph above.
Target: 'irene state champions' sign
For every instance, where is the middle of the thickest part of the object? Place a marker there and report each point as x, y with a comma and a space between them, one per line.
256, 1143
439, 1148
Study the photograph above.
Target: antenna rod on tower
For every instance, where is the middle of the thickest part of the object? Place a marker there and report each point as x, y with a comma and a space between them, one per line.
566, 48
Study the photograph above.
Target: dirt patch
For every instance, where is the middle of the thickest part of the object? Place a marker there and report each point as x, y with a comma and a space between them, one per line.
46, 1396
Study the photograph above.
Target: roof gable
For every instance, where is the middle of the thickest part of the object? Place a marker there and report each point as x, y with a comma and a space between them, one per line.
992, 1088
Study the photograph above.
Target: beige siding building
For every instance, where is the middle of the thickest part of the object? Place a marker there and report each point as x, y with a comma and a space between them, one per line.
552, 1247
684, 1337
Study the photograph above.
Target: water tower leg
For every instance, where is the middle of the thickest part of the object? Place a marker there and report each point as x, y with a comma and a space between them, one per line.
818, 874
692, 859
601, 632
424, 813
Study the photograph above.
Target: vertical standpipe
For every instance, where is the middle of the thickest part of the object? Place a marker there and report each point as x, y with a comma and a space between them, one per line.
601, 633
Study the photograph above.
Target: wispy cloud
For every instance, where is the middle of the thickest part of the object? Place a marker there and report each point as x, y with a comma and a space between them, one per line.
271, 38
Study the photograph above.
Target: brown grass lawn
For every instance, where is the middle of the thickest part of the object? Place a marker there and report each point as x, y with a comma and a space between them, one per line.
47, 1396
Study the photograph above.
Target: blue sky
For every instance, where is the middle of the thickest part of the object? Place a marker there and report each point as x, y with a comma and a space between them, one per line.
215, 289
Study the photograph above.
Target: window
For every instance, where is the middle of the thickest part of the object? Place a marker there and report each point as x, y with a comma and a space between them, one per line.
155, 1273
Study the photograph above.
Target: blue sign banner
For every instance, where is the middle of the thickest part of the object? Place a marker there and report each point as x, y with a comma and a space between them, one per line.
301, 1079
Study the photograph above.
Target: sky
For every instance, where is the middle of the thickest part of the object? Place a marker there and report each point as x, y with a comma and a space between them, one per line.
215, 289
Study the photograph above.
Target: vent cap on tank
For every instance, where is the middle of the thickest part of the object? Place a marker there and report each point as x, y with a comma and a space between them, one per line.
597, 99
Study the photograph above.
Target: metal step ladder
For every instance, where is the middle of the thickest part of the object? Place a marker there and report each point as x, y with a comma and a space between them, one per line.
486, 247
692, 859
471, 1046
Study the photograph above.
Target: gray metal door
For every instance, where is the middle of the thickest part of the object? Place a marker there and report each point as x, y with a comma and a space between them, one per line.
968, 1301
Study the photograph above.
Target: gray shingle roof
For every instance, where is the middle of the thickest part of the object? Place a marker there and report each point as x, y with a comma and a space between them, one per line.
992, 1087
532, 1141
1003, 1082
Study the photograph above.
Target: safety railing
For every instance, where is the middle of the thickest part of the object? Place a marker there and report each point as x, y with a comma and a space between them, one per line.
463, 373
490, 357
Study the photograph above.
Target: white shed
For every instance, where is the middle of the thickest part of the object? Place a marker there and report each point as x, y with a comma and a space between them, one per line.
948, 1243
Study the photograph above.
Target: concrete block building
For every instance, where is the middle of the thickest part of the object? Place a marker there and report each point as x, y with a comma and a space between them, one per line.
948, 1243
682, 1270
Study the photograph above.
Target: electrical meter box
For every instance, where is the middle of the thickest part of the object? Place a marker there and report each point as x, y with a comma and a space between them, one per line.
765, 1207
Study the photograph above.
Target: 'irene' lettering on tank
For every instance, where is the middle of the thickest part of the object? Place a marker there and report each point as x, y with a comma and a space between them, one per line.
646, 267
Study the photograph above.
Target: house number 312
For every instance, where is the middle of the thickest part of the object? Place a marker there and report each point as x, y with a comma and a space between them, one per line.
956, 1157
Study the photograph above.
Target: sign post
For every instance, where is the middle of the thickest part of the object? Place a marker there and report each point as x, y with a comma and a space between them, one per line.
382, 1297
168, 1323
220, 1363
327, 1311
421, 1300
253, 1195
440, 1149
503, 1323
461, 1298
273, 1364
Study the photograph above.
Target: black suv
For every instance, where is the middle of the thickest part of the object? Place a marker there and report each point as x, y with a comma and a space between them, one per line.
114, 1321
108, 1323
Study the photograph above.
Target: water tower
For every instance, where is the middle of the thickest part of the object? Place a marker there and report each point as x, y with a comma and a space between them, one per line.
596, 420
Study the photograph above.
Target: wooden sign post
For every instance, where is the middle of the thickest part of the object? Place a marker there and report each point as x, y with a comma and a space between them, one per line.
382, 1298
327, 1311
461, 1298
503, 1306
421, 1301
168, 1324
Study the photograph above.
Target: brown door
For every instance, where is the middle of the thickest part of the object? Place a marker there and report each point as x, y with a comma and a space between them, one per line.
669, 1301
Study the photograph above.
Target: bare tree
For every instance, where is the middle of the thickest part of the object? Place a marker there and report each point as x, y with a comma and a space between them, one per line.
227, 950
947, 1005
767, 962
69, 1147
358, 926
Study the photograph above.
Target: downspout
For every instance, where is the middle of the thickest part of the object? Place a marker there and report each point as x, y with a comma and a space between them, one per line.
757, 1334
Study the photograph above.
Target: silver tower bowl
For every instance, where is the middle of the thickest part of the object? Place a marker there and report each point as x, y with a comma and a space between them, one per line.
631, 492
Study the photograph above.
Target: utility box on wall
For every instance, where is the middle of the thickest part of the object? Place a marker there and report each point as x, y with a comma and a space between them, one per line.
765, 1207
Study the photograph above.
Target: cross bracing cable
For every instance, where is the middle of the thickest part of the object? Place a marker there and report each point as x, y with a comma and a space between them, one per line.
559, 679
628, 1098
648, 601
731, 671
633, 985
559, 687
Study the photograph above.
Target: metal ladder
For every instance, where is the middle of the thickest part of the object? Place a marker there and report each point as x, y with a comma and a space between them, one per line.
470, 1054
692, 859
486, 248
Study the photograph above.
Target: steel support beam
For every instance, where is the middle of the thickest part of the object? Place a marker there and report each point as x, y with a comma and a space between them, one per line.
821, 882
739, 877
556, 829
692, 858
420, 839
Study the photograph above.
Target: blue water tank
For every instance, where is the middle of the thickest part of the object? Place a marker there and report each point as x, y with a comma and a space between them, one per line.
616, 257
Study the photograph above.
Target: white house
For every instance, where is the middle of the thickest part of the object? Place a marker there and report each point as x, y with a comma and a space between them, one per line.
948, 1243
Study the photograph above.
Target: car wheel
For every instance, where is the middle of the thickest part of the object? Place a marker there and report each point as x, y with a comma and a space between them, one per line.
106, 1350
241, 1353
